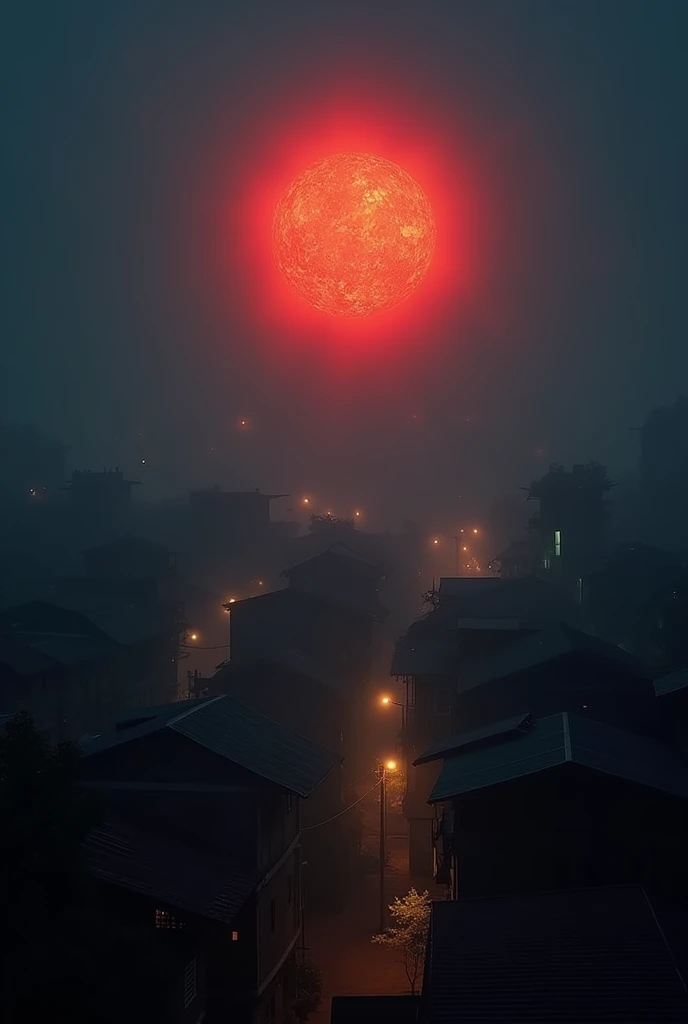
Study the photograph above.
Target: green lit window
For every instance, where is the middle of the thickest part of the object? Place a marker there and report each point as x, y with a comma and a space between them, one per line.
557, 543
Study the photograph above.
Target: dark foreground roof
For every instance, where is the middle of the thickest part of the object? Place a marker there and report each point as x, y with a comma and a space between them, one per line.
585, 955
546, 645
558, 740
240, 735
124, 853
464, 740
374, 1009
671, 683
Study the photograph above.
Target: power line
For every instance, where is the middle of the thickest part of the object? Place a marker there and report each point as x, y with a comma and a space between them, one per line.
193, 647
328, 820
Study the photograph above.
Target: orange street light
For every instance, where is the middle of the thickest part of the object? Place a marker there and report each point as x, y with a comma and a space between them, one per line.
193, 636
391, 766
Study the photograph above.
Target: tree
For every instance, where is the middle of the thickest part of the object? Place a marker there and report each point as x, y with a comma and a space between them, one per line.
409, 933
309, 986
61, 955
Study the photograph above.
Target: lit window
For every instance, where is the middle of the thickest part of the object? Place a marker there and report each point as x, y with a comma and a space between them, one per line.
167, 921
235, 936
190, 983
546, 562
557, 543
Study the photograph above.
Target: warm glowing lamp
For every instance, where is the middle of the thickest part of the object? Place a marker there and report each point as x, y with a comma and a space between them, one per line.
391, 766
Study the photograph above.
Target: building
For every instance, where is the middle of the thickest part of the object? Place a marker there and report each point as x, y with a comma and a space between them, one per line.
76, 666
100, 495
291, 689
569, 529
201, 835
672, 701
558, 802
663, 475
597, 954
472, 619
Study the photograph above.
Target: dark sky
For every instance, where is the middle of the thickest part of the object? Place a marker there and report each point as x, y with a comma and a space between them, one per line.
131, 126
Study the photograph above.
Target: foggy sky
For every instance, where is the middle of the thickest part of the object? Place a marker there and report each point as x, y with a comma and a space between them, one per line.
115, 112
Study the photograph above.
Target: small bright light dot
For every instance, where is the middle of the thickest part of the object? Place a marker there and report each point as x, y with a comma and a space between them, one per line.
391, 766
465, 548
306, 501
143, 462
475, 531
436, 540
384, 700
357, 513
260, 583
193, 636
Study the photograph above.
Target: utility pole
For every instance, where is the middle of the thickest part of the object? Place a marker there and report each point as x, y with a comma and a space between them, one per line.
383, 843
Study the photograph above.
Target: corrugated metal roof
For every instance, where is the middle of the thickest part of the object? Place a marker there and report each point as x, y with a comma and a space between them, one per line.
538, 648
671, 683
242, 736
583, 955
466, 739
554, 741
162, 868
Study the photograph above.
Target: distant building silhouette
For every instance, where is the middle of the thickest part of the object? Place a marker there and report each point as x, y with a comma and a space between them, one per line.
664, 475
100, 495
569, 528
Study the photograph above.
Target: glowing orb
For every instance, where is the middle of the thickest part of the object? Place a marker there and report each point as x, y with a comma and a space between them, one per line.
353, 234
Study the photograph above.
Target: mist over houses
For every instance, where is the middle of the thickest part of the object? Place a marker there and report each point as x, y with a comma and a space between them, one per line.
240, 682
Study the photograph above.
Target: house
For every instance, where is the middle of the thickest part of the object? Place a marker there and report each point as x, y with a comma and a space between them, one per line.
472, 618
672, 702
558, 802
201, 835
290, 688
76, 665
595, 954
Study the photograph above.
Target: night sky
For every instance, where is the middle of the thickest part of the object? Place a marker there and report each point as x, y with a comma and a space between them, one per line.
141, 321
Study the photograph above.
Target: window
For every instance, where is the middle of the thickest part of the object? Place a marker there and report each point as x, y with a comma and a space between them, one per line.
167, 921
290, 889
272, 915
190, 983
290, 803
546, 562
442, 701
235, 936
557, 543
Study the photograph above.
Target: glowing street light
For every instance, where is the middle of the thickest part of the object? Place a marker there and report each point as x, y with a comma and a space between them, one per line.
385, 766
193, 636
305, 501
357, 514
475, 530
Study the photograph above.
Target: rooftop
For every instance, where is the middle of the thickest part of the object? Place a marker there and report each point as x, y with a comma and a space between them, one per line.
583, 955
533, 649
462, 741
238, 734
175, 874
557, 740
347, 559
671, 683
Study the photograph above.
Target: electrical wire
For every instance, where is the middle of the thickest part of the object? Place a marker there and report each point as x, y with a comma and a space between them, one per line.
360, 779
334, 816
194, 647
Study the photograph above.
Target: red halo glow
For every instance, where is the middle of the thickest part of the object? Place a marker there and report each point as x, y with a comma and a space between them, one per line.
353, 234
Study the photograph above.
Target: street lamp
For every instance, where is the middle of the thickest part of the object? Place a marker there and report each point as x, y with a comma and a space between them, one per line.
383, 768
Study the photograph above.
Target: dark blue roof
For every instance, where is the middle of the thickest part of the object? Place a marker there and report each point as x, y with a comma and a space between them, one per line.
240, 735
557, 740
583, 955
